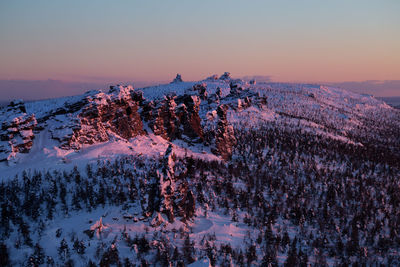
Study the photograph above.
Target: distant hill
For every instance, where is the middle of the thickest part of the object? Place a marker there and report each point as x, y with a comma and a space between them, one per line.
393, 101
218, 172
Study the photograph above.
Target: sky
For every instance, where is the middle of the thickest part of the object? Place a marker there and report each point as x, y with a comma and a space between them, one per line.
99, 41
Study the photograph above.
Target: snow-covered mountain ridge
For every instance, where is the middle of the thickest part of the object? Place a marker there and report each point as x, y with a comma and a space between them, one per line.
219, 172
204, 112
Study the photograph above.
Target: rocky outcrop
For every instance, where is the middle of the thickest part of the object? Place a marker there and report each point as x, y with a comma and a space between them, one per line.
201, 88
243, 103
167, 184
213, 77
225, 76
115, 113
163, 120
97, 117
224, 136
169, 193
17, 128
178, 79
235, 87
175, 117
188, 114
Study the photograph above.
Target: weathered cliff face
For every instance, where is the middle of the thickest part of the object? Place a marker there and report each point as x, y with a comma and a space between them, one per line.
17, 128
188, 114
175, 117
124, 113
201, 88
114, 113
162, 118
224, 136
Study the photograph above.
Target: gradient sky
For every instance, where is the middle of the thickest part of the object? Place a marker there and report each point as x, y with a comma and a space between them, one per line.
300, 40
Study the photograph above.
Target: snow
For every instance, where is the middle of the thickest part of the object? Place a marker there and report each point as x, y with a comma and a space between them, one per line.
222, 226
319, 109
313, 109
45, 153
205, 262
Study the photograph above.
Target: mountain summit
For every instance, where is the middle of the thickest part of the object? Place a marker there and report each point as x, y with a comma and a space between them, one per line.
203, 113
218, 172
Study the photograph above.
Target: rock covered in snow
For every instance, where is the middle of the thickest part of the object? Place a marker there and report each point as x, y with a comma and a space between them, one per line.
105, 114
243, 103
178, 112
236, 87
175, 117
201, 88
163, 121
225, 76
169, 195
189, 117
213, 77
224, 136
17, 130
100, 229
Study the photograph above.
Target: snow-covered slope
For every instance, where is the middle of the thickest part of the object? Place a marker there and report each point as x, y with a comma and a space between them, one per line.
72, 130
216, 172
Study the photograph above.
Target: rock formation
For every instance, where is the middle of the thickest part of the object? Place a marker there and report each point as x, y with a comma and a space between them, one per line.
17, 128
225, 76
178, 79
171, 120
201, 88
169, 194
105, 114
96, 116
224, 136
163, 119
189, 117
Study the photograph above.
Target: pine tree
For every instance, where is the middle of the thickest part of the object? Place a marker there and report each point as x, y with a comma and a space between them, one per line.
292, 257
188, 248
251, 254
63, 249
4, 255
79, 247
269, 258
38, 256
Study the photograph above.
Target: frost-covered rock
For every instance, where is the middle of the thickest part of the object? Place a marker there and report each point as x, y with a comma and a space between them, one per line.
201, 88
105, 114
225, 76
167, 184
224, 136
163, 120
213, 77
178, 112
189, 118
100, 229
17, 130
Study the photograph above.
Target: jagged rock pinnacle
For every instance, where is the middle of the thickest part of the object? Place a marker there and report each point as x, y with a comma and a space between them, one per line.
177, 79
